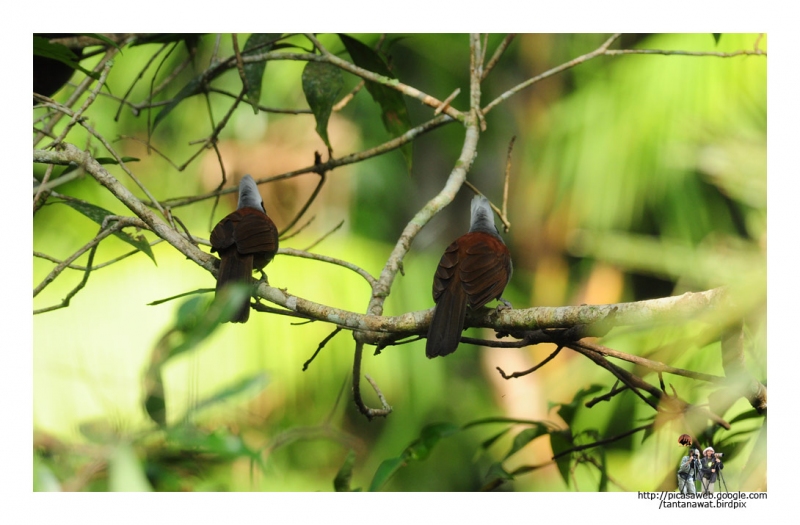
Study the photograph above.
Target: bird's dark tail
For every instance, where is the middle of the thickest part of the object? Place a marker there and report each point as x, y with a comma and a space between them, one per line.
448, 322
236, 268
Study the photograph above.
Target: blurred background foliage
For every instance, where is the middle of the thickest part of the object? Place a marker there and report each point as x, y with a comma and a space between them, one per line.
633, 177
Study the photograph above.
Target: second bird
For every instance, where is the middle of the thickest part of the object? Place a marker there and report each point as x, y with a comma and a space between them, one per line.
246, 240
474, 269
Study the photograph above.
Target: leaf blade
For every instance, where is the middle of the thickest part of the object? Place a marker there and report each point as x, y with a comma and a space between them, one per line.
322, 84
394, 112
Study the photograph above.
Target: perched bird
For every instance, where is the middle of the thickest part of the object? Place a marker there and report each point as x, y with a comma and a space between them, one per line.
246, 240
474, 269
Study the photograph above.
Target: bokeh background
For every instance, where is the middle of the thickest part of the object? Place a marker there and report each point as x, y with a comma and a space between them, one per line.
632, 177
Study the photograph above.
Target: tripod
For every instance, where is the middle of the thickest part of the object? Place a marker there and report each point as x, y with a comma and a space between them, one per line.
721, 477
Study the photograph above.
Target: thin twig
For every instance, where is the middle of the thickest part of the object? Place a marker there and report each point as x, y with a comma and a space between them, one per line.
505, 183
331, 260
532, 369
96, 266
497, 54
330, 165
550, 72
667, 52
104, 232
498, 211
76, 95
45, 179
347, 98
321, 346
324, 236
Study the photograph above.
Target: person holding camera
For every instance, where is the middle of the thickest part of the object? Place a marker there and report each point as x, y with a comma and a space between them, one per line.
688, 472
710, 467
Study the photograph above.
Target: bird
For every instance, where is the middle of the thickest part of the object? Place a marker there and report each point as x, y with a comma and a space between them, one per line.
474, 269
246, 240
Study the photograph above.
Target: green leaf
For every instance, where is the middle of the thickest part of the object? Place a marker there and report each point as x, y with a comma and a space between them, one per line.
394, 111
525, 437
98, 215
125, 473
341, 483
44, 48
491, 441
567, 410
430, 435
110, 160
716, 37
496, 471
251, 385
490, 420
744, 416
322, 84
155, 404
385, 471
193, 87
43, 478
560, 441
603, 486
199, 317
104, 39
258, 43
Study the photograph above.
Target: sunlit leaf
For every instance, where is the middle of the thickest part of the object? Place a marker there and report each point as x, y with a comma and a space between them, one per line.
125, 472
98, 215
249, 385
258, 43
43, 478
322, 84
393, 106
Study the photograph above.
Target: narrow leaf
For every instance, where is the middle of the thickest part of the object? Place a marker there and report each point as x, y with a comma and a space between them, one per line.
44, 48
258, 43
385, 471
603, 487
250, 385
322, 84
525, 437
341, 483
716, 37
98, 215
559, 442
491, 441
103, 38
496, 471
192, 88
430, 435
393, 106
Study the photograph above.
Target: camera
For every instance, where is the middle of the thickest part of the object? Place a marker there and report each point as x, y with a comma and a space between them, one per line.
719, 455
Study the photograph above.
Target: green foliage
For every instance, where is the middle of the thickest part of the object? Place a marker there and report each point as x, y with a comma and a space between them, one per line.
393, 106
322, 84
254, 71
660, 160
98, 215
43, 48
